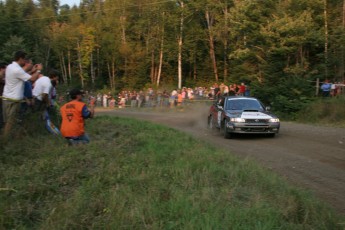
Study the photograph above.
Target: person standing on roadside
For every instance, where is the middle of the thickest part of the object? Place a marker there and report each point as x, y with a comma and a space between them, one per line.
73, 116
43, 91
28, 102
326, 88
242, 89
14, 88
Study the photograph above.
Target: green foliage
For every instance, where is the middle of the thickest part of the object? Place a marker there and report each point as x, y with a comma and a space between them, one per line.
259, 42
326, 111
286, 97
136, 175
12, 45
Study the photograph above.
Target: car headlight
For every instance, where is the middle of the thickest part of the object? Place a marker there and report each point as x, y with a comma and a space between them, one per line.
237, 119
275, 120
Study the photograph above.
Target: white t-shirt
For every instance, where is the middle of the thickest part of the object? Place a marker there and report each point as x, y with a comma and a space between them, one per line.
14, 81
42, 86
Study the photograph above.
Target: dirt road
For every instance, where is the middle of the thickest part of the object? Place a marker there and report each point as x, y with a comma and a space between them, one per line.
309, 156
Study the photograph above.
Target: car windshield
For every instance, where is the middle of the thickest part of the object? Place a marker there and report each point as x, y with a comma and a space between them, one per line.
243, 104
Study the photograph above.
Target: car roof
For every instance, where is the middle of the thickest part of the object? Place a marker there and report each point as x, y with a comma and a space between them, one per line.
239, 97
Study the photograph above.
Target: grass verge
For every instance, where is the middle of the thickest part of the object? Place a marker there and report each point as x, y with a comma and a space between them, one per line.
137, 175
324, 111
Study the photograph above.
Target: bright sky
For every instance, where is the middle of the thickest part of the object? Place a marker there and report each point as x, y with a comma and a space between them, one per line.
70, 2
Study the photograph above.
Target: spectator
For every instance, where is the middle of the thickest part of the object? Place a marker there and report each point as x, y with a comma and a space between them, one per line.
226, 91
99, 99
105, 100
112, 103
43, 91
73, 116
217, 92
122, 101
242, 89
179, 98
190, 93
133, 97
173, 97
140, 98
247, 92
28, 97
232, 90
159, 99
53, 93
326, 88
165, 98
14, 88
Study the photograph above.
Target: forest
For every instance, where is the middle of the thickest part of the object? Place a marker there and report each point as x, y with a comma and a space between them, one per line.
277, 47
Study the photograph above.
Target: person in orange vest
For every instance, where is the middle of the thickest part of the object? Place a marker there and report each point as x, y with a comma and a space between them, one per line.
179, 98
73, 115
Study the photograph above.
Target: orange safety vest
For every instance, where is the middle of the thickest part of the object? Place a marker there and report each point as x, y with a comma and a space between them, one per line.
179, 98
72, 119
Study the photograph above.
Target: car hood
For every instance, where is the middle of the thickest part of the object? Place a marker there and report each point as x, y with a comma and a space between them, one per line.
250, 114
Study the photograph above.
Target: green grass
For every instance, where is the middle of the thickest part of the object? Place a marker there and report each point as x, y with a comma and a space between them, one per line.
324, 111
137, 175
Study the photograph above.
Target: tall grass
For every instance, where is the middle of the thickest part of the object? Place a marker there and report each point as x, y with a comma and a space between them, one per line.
136, 175
327, 111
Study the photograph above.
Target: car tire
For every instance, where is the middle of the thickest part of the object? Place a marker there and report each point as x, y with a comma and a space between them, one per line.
226, 134
210, 123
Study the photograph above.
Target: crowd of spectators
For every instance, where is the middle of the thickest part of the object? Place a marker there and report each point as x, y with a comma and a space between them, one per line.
24, 88
168, 99
329, 89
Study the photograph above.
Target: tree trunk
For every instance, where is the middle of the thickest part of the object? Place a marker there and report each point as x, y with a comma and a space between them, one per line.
92, 70
225, 61
80, 66
63, 68
98, 75
109, 75
225, 42
161, 55
152, 72
113, 74
209, 21
195, 69
326, 38
124, 39
180, 43
69, 65
342, 64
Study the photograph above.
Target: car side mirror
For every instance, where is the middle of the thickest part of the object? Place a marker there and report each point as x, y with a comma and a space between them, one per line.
268, 108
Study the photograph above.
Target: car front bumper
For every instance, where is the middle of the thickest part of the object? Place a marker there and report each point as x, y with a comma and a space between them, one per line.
253, 128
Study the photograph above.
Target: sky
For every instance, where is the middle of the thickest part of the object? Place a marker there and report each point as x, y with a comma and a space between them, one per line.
70, 2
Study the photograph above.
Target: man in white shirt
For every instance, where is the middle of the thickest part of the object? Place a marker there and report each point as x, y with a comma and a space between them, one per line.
14, 88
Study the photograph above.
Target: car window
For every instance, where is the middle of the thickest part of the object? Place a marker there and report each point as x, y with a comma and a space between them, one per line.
244, 104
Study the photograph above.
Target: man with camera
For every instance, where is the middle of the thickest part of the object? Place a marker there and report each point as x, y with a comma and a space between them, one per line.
14, 88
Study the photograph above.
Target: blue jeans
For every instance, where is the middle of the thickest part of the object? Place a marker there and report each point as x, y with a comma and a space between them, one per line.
84, 139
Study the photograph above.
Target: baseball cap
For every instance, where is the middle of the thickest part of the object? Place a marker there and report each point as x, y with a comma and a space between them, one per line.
75, 92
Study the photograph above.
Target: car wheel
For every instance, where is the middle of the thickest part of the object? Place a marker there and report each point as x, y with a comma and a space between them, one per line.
210, 123
226, 134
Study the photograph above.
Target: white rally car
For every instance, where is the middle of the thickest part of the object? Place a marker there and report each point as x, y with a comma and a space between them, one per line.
242, 115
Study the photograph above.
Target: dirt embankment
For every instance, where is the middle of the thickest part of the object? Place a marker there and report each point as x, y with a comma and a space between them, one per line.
309, 156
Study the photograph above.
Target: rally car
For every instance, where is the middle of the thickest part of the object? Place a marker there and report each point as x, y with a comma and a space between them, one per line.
247, 115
